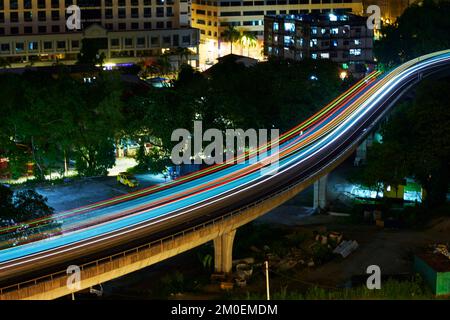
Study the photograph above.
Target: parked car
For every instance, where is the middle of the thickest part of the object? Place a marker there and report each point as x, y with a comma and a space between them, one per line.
127, 179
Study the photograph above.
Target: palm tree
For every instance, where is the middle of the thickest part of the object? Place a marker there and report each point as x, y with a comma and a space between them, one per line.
231, 34
249, 40
163, 64
183, 54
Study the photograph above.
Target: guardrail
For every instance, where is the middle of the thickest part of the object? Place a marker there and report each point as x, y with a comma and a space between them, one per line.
159, 242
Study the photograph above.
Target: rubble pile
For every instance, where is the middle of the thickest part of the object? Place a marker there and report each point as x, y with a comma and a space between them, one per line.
309, 249
441, 249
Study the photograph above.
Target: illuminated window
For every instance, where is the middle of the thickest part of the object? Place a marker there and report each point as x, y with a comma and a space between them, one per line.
288, 41
33, 45
290, 27
355, 52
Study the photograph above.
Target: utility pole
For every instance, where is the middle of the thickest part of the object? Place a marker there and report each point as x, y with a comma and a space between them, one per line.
266, 263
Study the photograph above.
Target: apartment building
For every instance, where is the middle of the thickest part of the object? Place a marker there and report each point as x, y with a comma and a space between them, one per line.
126, 30
343, 38
212, 17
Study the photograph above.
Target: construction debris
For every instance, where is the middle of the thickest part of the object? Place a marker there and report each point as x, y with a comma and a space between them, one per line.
244, 271
441, 249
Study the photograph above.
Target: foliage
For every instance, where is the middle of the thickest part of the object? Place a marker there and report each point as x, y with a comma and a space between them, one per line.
4, 63
206, 260
416, 143
90, 53
390, 290
249, 40
153, 161
422, 28
47, 120
57, 118
174, 283
22, 206
231, 35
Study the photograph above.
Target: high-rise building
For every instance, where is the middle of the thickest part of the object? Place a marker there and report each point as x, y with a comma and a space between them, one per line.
212, 17
343, 38
125, 30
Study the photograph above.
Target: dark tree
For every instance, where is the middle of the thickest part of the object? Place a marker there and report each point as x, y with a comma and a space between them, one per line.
90, 53
421, 29
416, 143
16, 211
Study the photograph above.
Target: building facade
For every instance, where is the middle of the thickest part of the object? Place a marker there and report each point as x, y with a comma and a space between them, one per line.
126, 30
212, 17
343, 38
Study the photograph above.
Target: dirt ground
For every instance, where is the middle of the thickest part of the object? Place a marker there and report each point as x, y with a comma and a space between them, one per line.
391, 250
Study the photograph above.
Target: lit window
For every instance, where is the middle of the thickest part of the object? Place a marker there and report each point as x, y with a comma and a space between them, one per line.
275, 26
357, 42
33, 46
325, 55
355, 52
335, 31
289, 26
288, 41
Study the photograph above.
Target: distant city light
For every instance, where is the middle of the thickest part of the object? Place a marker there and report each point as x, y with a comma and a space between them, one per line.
333, 17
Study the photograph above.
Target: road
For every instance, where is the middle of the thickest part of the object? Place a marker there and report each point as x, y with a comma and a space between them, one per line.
304, 151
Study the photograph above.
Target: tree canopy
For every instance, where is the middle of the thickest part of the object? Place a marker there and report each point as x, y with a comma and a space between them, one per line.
416, 144
48, 119
421, 29
19, 207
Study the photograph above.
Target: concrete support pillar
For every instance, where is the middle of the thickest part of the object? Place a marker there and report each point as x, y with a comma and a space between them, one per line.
223, 252
320, 193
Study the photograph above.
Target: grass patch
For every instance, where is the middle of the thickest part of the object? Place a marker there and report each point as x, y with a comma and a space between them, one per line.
390, 290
